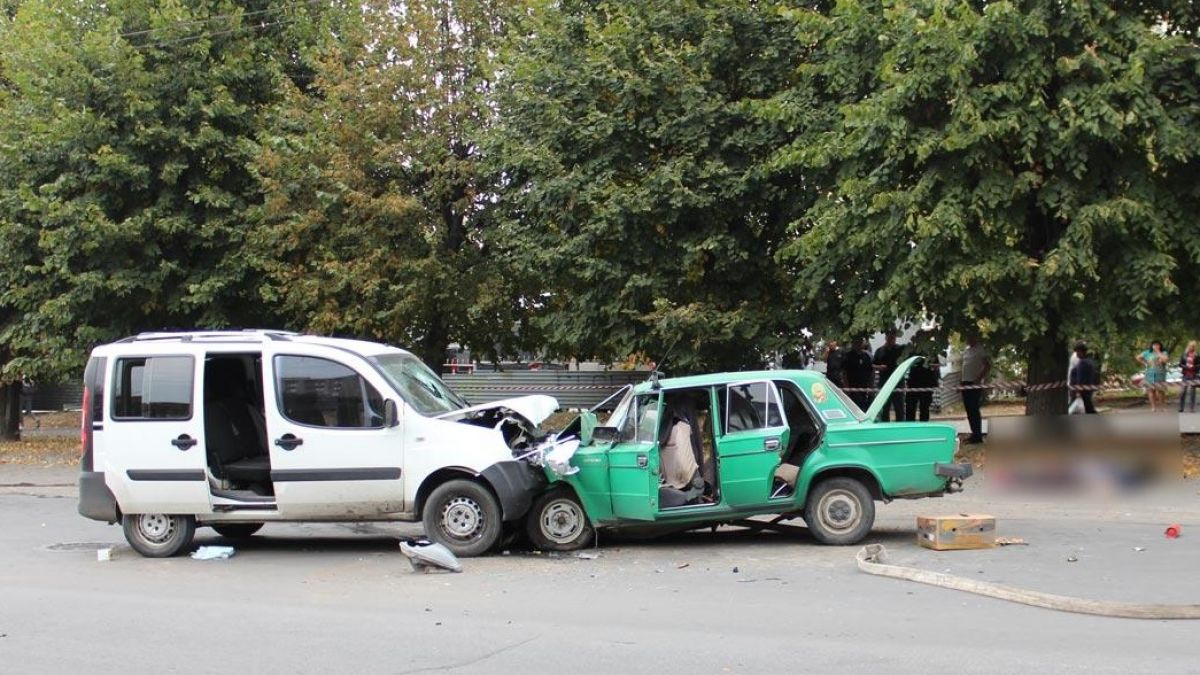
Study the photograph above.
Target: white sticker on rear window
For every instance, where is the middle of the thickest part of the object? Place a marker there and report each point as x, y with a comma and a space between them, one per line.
834, 414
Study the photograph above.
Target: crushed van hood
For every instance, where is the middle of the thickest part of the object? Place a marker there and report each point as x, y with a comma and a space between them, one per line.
535, 408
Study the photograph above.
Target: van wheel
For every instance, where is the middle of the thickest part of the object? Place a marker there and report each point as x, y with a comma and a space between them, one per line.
463, 516
839, 511
557, 522
157, 535
237, 530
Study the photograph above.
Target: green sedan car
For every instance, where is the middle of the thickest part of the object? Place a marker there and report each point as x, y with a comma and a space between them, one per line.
690, 452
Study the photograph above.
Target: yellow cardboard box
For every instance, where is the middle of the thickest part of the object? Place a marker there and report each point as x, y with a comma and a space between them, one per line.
962, 531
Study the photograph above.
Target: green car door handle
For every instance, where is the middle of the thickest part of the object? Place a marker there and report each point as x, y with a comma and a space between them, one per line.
771, 444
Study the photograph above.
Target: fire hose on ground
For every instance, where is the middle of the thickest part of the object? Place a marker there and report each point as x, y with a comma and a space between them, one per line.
872, 559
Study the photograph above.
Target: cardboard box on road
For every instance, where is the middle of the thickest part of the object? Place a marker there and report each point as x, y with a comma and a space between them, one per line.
962, 531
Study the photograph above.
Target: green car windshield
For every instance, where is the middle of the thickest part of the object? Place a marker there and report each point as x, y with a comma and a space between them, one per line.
419, 386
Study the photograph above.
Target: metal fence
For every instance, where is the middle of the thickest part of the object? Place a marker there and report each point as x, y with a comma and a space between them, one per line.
62, 396
573, 389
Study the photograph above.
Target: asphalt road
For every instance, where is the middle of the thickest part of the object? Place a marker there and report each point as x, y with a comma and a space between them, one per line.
333, 598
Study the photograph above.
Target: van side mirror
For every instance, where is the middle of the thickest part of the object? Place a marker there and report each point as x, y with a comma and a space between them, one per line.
605, 434
391, 414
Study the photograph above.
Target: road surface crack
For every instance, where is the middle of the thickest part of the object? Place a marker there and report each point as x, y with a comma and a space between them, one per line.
471, 662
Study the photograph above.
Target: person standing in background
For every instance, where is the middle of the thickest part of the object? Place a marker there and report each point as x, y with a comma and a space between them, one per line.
925, 374
976, 364
856, 370
1189, 363
833, 364
887, 357
1154, 360
28, 388
1084, 373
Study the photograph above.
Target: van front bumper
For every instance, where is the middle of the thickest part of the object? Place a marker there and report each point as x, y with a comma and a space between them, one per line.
96, 501
516, 484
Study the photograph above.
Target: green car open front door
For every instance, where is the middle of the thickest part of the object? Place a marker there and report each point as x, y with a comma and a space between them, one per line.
633, 462
754, 434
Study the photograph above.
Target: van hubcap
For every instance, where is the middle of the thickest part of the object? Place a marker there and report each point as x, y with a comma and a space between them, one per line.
155, 527
561, 521
839, 510
462, 518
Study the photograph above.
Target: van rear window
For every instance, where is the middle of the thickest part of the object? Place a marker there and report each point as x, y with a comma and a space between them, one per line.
153, 387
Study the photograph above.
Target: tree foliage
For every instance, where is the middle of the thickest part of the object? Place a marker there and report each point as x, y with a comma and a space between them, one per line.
377, 221
125, 168
1023, 169
634, 179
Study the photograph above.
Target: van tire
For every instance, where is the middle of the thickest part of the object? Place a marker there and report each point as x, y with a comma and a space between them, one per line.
158, 535
839, 511
463, 516
237, 530
558, 522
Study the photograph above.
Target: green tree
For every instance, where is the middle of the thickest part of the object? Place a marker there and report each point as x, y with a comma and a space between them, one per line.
1025, 169
377, 221
127, 134
634, 185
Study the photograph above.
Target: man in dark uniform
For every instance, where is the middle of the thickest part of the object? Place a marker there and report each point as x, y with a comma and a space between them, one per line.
925, 374
887, 357
833, 364
1084, 373
857, 371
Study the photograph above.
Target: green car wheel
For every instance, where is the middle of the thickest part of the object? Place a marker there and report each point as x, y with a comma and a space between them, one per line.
839, 511
557, 522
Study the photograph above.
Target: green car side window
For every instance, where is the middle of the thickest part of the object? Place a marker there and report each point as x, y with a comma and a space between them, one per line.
751, 405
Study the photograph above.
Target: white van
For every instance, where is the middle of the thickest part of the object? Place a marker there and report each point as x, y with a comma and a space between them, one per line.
235, 429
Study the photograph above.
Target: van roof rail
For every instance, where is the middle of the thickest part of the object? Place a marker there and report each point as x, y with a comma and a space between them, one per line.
232, 335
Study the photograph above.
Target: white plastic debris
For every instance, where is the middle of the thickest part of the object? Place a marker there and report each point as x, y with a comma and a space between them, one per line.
587, 555
104, 554
558, 457
425, 555
213, 553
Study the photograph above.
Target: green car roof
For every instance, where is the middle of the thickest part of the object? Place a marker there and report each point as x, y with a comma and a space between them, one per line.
714, 379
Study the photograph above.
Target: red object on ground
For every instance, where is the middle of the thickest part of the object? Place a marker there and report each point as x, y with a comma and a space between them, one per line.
1173, 531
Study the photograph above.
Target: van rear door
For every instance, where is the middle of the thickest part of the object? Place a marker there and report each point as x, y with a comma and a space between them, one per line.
154, 458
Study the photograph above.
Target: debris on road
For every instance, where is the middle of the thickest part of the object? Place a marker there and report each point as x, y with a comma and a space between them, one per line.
1173, 531
1072, 558
587, 555
104, 554
425, 555
1011, 541
682, 565
213, 553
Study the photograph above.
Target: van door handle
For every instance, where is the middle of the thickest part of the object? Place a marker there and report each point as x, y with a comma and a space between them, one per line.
288, 441
771, 444
184, 442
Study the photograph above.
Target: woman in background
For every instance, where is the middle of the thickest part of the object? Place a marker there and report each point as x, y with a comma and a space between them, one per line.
1155, 361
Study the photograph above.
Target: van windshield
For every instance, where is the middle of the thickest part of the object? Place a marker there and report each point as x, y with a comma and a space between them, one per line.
419, 386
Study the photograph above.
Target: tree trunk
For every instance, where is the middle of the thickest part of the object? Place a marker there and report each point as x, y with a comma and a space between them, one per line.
433, 344
10, 412
1047, 362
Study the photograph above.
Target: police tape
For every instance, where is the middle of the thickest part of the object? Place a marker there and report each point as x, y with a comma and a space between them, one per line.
1018, 386
1014, 385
